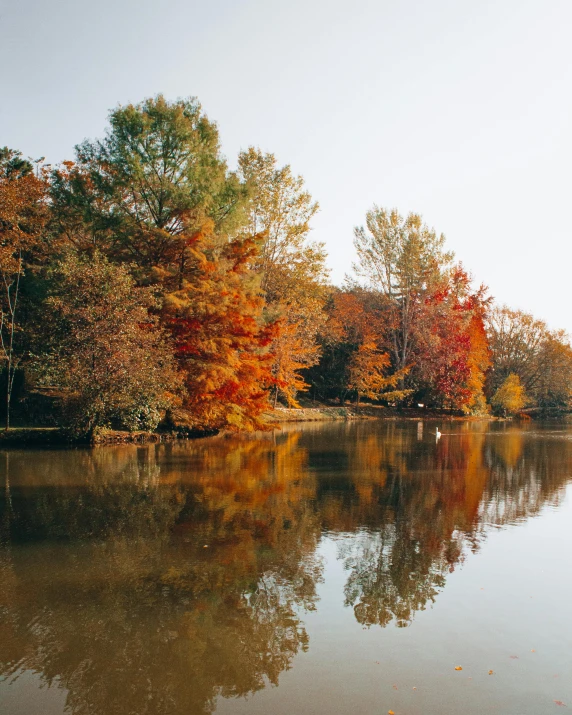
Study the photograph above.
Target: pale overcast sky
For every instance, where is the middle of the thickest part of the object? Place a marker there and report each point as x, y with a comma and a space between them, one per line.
456, 109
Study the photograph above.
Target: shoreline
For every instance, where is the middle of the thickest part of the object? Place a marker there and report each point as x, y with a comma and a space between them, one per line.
59, 437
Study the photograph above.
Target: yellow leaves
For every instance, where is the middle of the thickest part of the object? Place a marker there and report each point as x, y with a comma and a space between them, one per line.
292, 353
510, 397
390, 712
458, 667
491, 672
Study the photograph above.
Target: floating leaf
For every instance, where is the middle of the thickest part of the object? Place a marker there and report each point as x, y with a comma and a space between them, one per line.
490, 672
514, 657
390, 712
559, 702
458, 667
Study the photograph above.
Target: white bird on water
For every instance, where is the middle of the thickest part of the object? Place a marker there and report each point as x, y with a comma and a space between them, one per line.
437, 434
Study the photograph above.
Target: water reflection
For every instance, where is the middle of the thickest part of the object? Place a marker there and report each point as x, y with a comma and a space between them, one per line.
155, 579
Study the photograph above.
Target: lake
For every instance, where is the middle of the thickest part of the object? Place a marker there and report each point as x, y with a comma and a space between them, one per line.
350, 567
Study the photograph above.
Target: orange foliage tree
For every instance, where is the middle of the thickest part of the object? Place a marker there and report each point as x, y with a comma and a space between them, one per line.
221, 341
22, 218
354, 358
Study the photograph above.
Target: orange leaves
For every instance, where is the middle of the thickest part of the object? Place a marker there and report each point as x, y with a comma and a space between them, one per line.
458, 667
291, 353
22, 217
221, 341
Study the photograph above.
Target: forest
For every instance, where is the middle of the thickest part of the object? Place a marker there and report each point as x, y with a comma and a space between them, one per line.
146, 285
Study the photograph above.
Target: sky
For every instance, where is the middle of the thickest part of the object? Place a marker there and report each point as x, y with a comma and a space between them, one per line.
455, 109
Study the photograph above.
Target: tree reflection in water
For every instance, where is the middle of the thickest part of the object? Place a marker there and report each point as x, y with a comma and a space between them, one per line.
106, 584
154, 579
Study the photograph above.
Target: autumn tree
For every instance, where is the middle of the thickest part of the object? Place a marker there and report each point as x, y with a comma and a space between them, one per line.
221, 340
156, 192
510, 398
403, 260
525, 346
291, 356
292, 268
22, 218
554, 387
353, 357
150, 183
368, 374
103, 349
450, 348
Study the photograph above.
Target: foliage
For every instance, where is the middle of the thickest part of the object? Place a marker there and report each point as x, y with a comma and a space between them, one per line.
292, 270
450, 355
104, 349
209, 279
221, 342
22, 219
403, 260
160, 196
353, 359
510, 398
525, 346
291, 354
153, 181
368, 377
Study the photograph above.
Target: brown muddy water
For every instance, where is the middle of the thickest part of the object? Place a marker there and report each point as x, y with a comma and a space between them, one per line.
339, 568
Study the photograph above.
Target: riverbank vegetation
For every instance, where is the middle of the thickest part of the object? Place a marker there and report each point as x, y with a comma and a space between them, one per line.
144, 279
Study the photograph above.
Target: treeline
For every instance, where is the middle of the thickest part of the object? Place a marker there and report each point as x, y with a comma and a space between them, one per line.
145, 280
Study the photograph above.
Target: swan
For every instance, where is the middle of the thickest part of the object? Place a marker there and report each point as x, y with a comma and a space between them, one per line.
437, 433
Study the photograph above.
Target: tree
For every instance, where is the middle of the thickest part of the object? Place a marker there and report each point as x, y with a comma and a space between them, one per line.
451, 356
152, 182
281, 209
353, 358
156, 193
22, 218
293, 274
516, 339
291, 354
368, 374
554, 388
104, 349
403, 260
525, 346
221, 341
510, 397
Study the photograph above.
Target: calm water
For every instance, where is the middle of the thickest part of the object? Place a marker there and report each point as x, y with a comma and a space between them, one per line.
345, 568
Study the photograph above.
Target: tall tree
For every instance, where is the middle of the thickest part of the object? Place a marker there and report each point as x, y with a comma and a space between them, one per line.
220, 337
156, 192
403, 260
22, 218
292, 268
149, 184
451, 353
